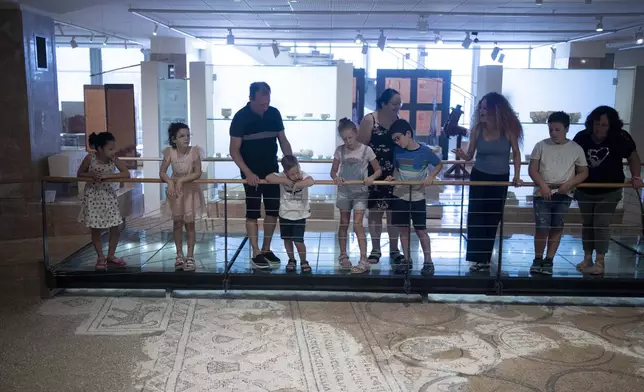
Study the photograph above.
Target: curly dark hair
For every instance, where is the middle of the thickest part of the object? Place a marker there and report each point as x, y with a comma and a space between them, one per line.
99, 140
615, 124
346, 123
506, 119
173, 130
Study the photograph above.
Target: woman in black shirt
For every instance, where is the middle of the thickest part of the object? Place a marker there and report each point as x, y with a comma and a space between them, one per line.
606, 144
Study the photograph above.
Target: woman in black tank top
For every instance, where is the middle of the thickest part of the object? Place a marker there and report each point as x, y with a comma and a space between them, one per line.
374, 132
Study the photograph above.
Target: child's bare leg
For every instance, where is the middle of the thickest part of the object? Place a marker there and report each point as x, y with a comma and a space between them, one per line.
177, 234
425, 244
358, 216
554, 238
301, 250
345, 217
288, 244
113, 242
191, 233
97, 243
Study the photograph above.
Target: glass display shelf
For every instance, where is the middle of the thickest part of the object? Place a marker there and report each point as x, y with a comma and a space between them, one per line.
301, 120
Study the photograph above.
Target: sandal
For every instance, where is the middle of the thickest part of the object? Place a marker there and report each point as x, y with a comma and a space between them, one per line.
101, 264
362, 267
595, 269
374, 257
395, 254
305, 267
116, 262
291, 266
397, 257
190, 264
584, 265
179, 263
344, 261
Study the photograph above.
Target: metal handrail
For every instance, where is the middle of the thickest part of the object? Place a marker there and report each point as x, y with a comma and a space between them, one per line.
331, 182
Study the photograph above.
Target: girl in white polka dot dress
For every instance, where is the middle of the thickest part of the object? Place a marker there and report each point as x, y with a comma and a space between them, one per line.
100, 208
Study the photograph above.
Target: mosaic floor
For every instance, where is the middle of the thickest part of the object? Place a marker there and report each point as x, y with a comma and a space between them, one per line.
155, 252
190, 345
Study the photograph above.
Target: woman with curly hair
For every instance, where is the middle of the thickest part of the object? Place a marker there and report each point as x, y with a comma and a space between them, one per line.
605, 144
496, 131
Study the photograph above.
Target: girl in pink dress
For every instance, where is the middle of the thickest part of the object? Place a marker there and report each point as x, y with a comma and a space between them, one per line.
185, 198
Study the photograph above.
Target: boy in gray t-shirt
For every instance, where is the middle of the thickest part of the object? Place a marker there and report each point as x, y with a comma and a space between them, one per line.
557, 165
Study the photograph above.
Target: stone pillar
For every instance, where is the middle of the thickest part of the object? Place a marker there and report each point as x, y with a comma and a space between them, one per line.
31, 122
170, 50
490, 80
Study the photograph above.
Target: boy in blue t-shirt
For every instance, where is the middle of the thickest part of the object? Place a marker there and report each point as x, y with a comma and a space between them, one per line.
412, 162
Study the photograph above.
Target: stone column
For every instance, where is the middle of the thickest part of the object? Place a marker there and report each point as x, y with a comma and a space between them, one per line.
31, 122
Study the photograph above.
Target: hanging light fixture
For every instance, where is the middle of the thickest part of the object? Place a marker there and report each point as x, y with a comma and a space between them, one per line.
438, 40
495, 51
276, 48
105, 42
538, 2
156, 29
91, 37
501, 58
365, 47
639, 37
600, 24
467, 42
382, 41
230, 38
359, 38
73, 43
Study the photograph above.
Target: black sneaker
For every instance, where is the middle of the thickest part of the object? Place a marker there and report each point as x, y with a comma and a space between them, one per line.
402, 265
428, 270
546, 267
260, 262
536, 266
274, 260
480, 267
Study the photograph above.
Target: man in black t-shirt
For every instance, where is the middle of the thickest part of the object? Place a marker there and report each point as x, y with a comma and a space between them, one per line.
254, 133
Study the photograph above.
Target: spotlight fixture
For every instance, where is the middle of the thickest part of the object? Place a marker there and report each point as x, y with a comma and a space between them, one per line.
501, 58
476, 37
125, 44
105, 42
438, 40
156, 29
276, 48
382, 41
230, 38
467, 42
423, 24
495, 51
639, 37
359, 38
60, 28
538, 2
365, 47
600, 24
73, 43
91, 37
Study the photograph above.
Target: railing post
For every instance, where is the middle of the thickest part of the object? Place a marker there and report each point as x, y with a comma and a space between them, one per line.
498, 285
408, 246
226, 230
43, 206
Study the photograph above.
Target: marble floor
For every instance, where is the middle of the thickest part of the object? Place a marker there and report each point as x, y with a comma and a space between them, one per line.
154, 251
380, 343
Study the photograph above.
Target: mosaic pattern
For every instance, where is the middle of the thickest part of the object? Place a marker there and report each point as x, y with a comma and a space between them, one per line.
258, 345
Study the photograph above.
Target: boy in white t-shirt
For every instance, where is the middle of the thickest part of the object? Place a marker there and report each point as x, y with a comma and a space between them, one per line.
557, 165
294, 209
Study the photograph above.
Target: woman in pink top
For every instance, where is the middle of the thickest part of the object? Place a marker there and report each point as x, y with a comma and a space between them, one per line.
185, 198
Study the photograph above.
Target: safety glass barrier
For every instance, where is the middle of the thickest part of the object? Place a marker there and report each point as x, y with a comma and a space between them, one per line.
449, 241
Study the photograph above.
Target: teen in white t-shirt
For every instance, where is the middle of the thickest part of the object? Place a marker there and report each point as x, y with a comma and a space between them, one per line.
557, 166
294, 209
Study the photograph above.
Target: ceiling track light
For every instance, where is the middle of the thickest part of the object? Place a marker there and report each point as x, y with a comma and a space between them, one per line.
105, 42
359, 38
382, 41
639, 37
600, 24
365, 47
476, 37
230, 38
438, 40
423, 24
496, 51
501, 58
156, 29
276, 48
467, 42
73, 43
538, 2
60, 28
125, 44
91, 37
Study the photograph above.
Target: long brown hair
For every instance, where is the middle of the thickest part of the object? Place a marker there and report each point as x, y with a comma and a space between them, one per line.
506, 119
